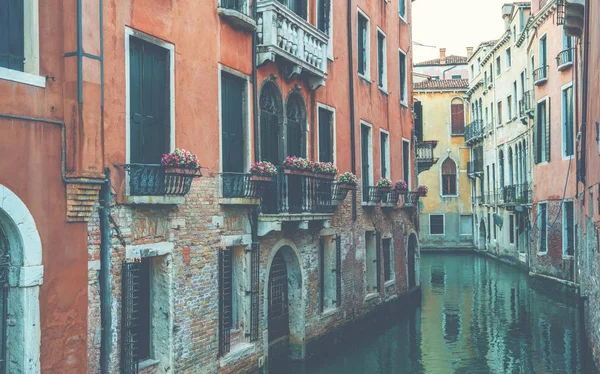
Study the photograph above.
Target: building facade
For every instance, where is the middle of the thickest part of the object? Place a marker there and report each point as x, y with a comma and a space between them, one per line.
445, 216
444, 67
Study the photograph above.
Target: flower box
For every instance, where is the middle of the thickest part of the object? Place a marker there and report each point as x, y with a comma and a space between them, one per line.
384, 190
347, 186
325, 176
304, 173
261, 178
181, 170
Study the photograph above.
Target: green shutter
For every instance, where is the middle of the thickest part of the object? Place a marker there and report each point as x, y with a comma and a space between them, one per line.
325, 136
12, 40
364, 142
547, 124
232, 127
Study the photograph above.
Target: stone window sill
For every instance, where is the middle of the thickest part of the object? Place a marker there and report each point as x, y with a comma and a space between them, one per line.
22, 77
148, 363
371, 296
238, 19
155, 200
237, 352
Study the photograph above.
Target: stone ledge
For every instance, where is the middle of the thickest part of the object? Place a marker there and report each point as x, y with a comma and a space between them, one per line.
237, 352
155, 200
290, 217
239, 201
237, 19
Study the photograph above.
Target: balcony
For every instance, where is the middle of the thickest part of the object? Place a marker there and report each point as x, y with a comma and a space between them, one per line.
410, 199
238, 13
242, 189
564, 59
543, 4
517, 194
540, 75
425, 157
373, 196
473, 131
525, 104
157, 184
574, 17
475, 167
282, 34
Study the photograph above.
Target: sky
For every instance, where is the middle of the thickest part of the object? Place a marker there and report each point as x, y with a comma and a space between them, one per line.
454, 25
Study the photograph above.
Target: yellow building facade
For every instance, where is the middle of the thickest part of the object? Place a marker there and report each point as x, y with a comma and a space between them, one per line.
445, 216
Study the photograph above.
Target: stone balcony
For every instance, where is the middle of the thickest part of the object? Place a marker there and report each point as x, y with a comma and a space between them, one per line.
287, 38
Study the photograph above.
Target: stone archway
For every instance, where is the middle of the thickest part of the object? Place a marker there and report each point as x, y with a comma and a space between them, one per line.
284, 300
412, 265
21, 249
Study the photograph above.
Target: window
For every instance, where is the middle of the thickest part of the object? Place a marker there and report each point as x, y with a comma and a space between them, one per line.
384, 156
233, 91
478, 64
491, 73
514, 32
541, 135
457, 77
514, 97
436, 77
381, 60
402, 8
363, 45
330, 267
457, 116
543, 228
543, 51
149, 102
372, 249
498, 66
567, 41
436, 224
297, 6
325, 24
568, 229
487, 116
403, 85
271, 123
499, 113
449, 177
388, 259
511, 228
406, 161
491, 115
508, 58
326, 135
466, 222
509, 107
485, 79
366, 157
137, 279
295, 131
489, 238
472, 71
567, 118
521, 20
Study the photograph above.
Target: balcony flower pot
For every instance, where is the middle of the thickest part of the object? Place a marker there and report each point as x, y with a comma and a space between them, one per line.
325, 176
422, 191
384, 190
180, 162
346, 186
261, 178
401, 187
304, 173
263, 171
181, 170
384, 186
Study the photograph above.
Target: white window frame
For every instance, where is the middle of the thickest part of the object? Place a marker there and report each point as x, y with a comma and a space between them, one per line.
248, 109
330, 42
562, 120
333, 128
498, 66
544, 150
540, 219
367, 74
403, 17
387, 154
384, 84
403, 89
443, 223
370, 140
31, 40
508, 59
499, 113
564, 229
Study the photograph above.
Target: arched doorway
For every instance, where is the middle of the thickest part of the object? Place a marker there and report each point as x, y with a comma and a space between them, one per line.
482, 234
411, 261
285, 305
271, 118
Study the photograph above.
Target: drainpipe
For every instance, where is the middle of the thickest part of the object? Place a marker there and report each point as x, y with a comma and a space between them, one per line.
582, 161
444, 72
254, 88
352, 117
104, 276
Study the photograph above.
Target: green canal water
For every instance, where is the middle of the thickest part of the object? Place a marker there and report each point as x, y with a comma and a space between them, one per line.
476, 316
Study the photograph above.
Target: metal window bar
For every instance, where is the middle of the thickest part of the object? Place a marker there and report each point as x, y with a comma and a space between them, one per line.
410, 199
372, 195
158, 180
129, 317
255, 291
241, 185
225, 296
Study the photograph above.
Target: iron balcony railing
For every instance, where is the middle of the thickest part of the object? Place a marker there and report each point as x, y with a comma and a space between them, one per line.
390, 199
241, 6
525, 104
517, 194
371, 195
564, 58
159, 180
410, 199
425, 151
475, 166
540, 75
242, 185
297, 194
474, 131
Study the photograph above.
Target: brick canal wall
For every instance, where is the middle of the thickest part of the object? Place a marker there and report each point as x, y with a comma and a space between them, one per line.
189, 237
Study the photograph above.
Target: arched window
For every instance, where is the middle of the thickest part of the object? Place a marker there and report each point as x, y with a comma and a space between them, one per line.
296, 126
510, 167
457, 116
271, 115
449, 177
501, 163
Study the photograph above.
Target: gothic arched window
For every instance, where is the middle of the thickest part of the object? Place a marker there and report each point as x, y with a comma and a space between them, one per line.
449, 177
296, 126
271, 115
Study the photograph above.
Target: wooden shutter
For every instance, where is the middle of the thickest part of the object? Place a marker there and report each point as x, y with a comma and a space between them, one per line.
338, 271
537, 152
129, 313
362, 40
418, 108
378, 259
382, 155
322, 273
548, 129
364, 139
458, 119
232, 125
325, 136
380, 61
12, 40
225, 296
255, 291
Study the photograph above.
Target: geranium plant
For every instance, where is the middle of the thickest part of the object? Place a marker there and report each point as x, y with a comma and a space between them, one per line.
263, 168
422, 190
298, 163
384, 183
401, 185
180, 158
348, 178
324, 168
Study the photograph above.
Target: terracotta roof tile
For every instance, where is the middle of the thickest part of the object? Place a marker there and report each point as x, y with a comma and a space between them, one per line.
442, 84
450, 60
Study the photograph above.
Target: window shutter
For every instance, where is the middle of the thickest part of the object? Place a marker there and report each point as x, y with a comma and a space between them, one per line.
135, 100
225, 290
536, 137
255, 291
322, 273
378, 259
232, 126
547, 124
12, 40
325, 136
458, 119
129, 313
361, 45
338, 270
365, 162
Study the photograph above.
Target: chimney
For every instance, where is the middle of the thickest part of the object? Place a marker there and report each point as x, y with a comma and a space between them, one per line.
469, 52
442, 56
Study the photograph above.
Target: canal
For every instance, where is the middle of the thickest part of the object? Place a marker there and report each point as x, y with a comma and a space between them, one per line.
476, 316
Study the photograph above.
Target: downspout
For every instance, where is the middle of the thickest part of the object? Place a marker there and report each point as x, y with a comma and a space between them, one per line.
104, 276
352, 116
576, 206
254, 88
581, 169
444, 72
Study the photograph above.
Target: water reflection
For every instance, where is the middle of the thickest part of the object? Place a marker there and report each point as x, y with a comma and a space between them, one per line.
477, 316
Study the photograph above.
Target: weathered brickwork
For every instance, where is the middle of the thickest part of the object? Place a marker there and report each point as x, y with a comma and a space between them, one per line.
196, 229
80, 201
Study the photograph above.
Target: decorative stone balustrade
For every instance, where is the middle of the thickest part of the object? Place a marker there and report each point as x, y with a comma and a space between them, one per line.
282, 33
